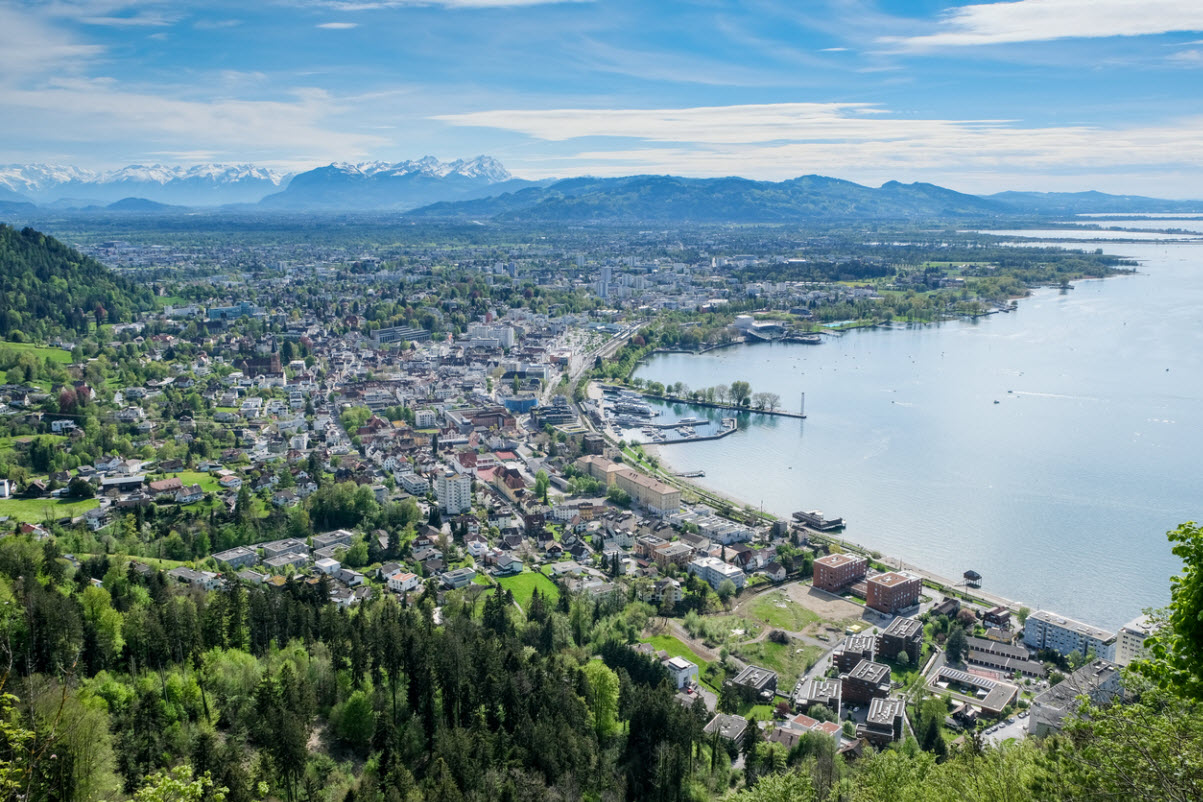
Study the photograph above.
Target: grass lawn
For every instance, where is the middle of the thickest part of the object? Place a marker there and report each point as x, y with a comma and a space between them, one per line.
776, 610
481, 579
207, 481
788, 661
523, 587
40, 351
9, 443
677, 648
37, 510
751, 711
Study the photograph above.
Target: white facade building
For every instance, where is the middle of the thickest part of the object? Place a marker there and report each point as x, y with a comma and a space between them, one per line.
454, 492
1045, 630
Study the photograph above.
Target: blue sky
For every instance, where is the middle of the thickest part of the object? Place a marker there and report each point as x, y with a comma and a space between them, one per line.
1030, 94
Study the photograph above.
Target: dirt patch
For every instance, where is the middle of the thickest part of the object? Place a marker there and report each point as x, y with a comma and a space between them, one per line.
829, 608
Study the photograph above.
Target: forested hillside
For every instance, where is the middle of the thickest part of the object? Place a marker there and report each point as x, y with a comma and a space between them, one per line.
266, 693
47, 287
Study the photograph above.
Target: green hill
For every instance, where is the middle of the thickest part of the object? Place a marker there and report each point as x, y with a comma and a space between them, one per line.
47, 287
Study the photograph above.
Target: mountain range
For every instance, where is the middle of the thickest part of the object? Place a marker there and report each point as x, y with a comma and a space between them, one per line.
482, 189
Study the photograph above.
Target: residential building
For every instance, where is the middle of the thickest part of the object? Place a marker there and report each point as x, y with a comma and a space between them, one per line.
728, 727
454, 492
206, 580
681, 671
755, 684
1002, 657
403, 582
652, 494
892, 592
1099, 681
459, 577
853, 650
1130, 640
328, 565
237, 557
1045, 630
866, 681
818, 691
884, 722
835, 572
903, 635
714, 571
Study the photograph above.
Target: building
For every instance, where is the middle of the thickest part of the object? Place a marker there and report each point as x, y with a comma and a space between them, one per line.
454, 492
854, 649
892, 592
398, 334
206, 580
1130, 640
656, 496
818, 691
425, 418
903, 635
682, 671
339, 537
714, 571
459, 577
755, 684
413, 484
1098, 681
867, 681
884, 722
328, 565
675, 553
835, 572
1002, 657
991, 696
1045, 630
598, 467
237, 557
728, 727
403, 582
288, 545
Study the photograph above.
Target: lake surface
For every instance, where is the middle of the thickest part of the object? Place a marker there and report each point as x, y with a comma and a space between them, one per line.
1060, 494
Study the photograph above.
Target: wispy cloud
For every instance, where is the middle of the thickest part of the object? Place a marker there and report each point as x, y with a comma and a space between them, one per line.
1193, 58
375, 5
781, 140
1044, 20
338, 26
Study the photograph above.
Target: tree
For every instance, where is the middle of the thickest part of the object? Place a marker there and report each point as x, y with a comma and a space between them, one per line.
603, 697
357, 723
726, 589
1022, 614
177, 785
955, 646
542, 483
80, 488
1177, 648
741, 391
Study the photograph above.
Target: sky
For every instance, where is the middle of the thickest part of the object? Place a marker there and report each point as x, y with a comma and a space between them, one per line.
1053, 95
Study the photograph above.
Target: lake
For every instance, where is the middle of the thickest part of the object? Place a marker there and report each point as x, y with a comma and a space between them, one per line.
1049, 448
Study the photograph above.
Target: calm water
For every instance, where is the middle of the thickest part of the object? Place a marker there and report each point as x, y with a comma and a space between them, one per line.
1060, 494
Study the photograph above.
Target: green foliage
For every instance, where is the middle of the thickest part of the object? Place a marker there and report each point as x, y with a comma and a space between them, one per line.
46, 287
1177, 648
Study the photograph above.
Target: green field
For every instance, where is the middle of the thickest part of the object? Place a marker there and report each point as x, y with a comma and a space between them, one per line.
523, 587
40, 351
676, 648
207, 481
36, 510
788, 661
776, 610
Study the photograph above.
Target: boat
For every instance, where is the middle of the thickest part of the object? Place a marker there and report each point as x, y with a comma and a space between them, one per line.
690, 421
816, 520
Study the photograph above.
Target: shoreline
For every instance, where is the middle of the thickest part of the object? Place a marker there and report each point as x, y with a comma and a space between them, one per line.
930, 579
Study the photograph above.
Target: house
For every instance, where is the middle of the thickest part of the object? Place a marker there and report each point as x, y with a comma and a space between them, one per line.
285, 498
282, 561
403, 582
197, 579
327, 565
348, 577
170, 485
728, 727
682, 672
189, 495
229, 482
458, 578
754, 683
775, 571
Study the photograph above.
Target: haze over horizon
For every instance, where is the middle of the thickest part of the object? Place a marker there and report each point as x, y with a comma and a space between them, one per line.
1051, 95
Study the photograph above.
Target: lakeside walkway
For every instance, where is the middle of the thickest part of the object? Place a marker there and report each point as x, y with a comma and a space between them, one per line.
672, 399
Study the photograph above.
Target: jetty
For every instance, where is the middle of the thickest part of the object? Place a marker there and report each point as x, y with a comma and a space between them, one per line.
690, 474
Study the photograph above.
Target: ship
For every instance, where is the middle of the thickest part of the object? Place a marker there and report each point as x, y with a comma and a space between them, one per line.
815, 520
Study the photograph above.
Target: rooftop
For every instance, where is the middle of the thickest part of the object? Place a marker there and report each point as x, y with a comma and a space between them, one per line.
1052, 619
904, 628
836, 560
882, 712
891, 579
873, 673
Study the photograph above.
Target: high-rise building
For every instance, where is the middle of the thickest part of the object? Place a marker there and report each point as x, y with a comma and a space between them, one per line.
454, 491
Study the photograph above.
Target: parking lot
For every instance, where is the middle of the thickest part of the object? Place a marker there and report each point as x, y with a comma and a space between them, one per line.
1000, 733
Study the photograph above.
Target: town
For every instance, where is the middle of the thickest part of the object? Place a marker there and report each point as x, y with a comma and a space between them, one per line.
402, 426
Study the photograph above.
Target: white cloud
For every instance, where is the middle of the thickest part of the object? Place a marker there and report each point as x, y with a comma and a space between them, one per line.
1193, 57
777, 141
1043, 20
338, 26
28, 46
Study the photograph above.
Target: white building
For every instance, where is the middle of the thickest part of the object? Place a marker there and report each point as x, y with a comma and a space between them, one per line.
454, 491
403, 582
327, 566
682, 671
714, 571
1045, 630
1130, 641
413, 484
425, 418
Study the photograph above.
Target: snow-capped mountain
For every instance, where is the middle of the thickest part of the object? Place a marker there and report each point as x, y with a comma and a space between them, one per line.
403, 185
197, 185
